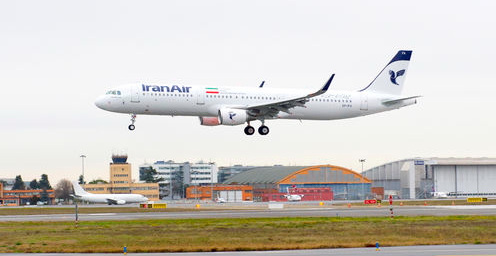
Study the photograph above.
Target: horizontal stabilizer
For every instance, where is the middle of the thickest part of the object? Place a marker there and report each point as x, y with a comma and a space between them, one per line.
392, 102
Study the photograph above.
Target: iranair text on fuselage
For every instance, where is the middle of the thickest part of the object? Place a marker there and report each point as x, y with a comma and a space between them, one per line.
165, 88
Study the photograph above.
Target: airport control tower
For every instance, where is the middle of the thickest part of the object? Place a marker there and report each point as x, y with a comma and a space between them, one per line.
120, 175
121, 181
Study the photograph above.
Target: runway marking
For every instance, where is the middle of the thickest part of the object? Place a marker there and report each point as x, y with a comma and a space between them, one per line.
466, 207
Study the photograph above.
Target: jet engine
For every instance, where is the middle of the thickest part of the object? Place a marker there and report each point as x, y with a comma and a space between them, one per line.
229, 116
121, 202
209, 120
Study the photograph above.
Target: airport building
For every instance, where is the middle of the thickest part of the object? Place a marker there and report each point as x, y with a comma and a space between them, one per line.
227, 172
425, 177
228, 193
344, 183
177, 176
24, 197
121, 181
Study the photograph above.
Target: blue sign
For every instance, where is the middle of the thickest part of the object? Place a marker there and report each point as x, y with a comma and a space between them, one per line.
419, 162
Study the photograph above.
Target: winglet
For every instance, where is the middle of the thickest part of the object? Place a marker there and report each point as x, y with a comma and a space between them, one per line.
326, 86
262, 84
323, 89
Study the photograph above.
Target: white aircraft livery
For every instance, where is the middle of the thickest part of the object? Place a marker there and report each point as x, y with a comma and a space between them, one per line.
240, 105
81, 194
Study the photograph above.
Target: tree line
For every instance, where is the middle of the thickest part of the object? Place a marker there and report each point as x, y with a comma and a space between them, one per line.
42, 183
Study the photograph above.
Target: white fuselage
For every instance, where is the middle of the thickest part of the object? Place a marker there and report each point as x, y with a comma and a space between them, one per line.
104, 198
83, 195
294, 198
175, 100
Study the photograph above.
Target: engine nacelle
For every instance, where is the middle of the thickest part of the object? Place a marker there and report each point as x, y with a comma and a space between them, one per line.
209, 120
121, 202
229, 116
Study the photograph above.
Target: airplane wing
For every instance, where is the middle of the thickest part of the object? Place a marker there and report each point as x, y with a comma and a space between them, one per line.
271, 110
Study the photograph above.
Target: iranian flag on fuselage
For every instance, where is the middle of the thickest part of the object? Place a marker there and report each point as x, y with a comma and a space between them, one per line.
212, 90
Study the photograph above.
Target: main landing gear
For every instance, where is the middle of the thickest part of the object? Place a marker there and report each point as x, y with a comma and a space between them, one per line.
133, 119
249, 130
262, 130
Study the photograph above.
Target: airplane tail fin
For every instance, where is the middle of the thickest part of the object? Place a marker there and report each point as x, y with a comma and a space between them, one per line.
78, 190
391, 79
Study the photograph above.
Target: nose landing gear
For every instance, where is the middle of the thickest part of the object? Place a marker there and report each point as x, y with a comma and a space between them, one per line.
133, 119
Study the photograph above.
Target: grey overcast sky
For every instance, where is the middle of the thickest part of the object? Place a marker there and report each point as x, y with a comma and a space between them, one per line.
57, 57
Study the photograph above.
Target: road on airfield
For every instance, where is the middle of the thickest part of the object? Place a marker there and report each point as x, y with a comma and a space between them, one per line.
267, 213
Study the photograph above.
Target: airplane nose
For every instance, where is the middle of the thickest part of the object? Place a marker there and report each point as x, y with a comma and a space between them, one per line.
100, 102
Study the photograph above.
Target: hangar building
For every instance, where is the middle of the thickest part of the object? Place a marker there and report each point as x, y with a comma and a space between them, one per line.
421, 177
344, 183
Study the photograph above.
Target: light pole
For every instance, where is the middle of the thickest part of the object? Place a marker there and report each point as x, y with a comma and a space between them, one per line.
363, 190
82, 164
212, 183
171, 188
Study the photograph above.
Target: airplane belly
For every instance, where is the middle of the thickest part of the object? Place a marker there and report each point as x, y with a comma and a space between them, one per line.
322, 112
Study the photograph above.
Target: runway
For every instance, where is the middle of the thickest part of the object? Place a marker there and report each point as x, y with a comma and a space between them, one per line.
433, 250
263, 213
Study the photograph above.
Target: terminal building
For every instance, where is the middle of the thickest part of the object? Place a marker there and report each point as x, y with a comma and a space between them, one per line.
270, 183
121, 181
417, 178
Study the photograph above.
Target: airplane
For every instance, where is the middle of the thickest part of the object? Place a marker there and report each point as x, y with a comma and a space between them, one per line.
81, 194
293, 197
239, 105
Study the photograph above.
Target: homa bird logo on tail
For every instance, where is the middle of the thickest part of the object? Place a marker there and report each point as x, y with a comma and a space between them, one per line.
396, 75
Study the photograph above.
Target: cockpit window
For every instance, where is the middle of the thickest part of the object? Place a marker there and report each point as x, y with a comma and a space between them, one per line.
114, 92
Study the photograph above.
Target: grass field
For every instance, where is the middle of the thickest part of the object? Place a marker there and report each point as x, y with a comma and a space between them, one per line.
243, 234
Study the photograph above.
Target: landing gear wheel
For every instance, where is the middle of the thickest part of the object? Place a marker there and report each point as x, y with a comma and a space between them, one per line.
263, 130
249, 130
133, 119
